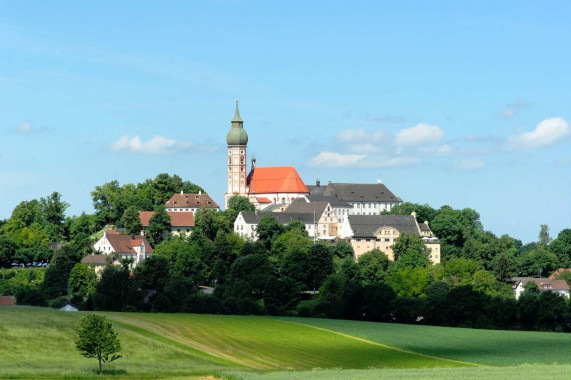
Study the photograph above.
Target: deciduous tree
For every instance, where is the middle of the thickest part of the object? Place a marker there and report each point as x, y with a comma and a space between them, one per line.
97, 339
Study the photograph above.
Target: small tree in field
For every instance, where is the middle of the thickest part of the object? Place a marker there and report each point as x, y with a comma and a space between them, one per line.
97, 339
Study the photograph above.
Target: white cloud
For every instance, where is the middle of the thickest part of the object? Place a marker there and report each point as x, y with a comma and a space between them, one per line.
336, 160
546, 133
365, 148
512, 109
420, 134
24, 128
352, 136
436, 150
469, 164
156, 145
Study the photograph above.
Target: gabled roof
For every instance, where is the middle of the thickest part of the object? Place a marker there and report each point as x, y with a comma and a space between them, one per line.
541, 282
178, 218
181, 200
123, 244
301, 206
278, 179
356, 192
253, 217
368, 225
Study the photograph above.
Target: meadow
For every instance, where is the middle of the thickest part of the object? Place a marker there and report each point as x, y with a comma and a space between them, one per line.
39, 343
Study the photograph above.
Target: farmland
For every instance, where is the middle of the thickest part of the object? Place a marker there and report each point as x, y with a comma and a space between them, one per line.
39, 343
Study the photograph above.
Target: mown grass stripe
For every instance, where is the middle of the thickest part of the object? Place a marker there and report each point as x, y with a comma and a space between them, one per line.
387, 346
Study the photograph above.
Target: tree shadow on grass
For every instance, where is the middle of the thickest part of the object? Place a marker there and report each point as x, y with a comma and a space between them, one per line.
111, 372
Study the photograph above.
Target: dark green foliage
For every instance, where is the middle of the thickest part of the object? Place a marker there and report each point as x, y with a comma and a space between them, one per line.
537, 263
153, 273
53, 209
561, 248
373, 267
159, 226
268, 230
209, 222
220, 259
281, 295
297, 226
7, 251
503, 268
236, 204
175, 296
254, 269
116, 290
82, 281
410, 251
251, 248
131, 220
320, 265
343, 250
97, 339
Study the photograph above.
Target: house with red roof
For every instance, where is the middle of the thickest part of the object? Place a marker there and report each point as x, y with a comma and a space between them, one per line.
182, 222
124, 246
190, 202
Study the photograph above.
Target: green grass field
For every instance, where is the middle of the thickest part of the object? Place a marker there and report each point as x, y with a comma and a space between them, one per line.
488, 347
39, 343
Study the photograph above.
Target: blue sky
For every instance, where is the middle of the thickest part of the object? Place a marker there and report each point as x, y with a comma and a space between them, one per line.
458, 103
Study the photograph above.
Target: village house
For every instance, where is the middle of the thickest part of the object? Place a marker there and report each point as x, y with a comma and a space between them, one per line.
326, 221
341, 209
98, 261
368, 232
182, 222
190, 202
544, 284
134, 247
247, 222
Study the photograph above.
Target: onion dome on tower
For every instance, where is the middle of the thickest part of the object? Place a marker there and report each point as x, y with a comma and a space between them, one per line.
237, 135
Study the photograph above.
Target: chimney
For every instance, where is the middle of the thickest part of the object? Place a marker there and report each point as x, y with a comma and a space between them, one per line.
181, 192
329, 182
199, 192
426, 222
132, 236
318, 182
379, 181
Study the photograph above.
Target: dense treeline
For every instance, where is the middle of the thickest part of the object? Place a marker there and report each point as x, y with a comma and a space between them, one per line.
283, 273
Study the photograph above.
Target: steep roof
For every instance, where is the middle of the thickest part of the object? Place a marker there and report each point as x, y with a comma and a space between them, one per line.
124, 244
368, 225
277, 179
301, 206
253, 217
178, 218
356, 192
181, 200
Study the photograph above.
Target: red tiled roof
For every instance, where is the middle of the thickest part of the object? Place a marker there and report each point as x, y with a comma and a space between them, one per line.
181, 200
279, 179
262, 200
6, 300
178, 218
559, 271
124, 243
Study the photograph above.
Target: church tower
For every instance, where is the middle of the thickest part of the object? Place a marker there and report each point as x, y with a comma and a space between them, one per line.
237, 139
